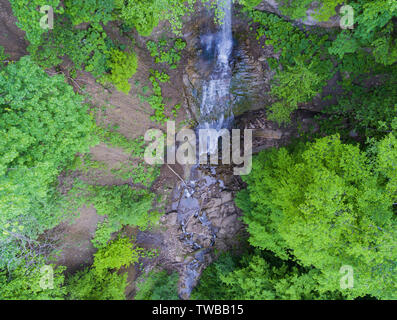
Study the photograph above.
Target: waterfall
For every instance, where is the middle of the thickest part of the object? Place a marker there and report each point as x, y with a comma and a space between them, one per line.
215, 109
215, 113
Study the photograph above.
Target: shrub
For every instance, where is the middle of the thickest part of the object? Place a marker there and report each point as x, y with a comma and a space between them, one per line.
122, 205
123, 66
145, 15
23, 283
166, 52
88, 285
101, 281
119, 253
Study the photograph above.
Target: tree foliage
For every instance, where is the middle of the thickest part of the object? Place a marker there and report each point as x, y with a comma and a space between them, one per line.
303, 67
327, 205
145, 15
88, 285
90, 11
123, 66
122, 205
24, 284
374, 29
119, 253
101, 281
158, 285
258, 276
29, 17
43, 124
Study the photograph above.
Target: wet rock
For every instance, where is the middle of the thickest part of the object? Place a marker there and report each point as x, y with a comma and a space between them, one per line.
213, 203
213, 213
204, 241
170, 219
226, 197
228, 208
217, 222
269, 5
229, 223
194, 226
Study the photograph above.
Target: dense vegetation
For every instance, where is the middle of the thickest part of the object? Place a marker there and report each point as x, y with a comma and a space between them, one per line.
322, 203
43, 125
158, 285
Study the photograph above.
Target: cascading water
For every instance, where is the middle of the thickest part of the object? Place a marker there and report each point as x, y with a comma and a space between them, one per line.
215, 109
215, 113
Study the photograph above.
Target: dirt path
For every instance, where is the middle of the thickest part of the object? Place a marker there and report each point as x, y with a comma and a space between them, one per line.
75, 240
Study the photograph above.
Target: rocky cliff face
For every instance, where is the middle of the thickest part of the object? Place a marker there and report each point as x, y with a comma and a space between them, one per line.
251, 74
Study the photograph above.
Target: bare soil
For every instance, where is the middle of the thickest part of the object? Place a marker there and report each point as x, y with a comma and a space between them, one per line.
11, 37
76, 249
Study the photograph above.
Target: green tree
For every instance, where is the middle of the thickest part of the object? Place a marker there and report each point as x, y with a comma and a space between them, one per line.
145, 15
211, 286
258, 276
297, 9
89, 11
158, 285
297, 84
43, 124
374, 29
3, 57
88, 285
326, 205
119, 253
302, 68
122, 205
123, 66
23, 283
102, 281
29, 17
369, 111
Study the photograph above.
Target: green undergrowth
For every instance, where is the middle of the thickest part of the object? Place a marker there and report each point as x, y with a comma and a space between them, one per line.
136, 167
101, 281
156, 100
157, 285
167, 52
121, 204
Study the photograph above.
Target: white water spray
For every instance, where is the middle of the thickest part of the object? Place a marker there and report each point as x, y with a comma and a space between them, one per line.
215, 110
